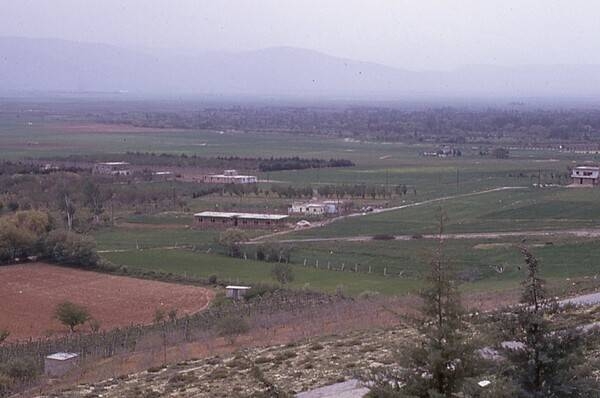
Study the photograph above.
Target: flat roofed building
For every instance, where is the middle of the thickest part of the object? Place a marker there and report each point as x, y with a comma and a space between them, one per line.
236, 292
229, 177
218, 219
586, 175
58, 364
112, 168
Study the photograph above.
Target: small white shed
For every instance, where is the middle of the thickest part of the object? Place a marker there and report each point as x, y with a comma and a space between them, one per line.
236, 292
58, 364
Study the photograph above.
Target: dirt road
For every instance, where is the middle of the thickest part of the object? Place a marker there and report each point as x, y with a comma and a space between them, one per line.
388, 209
578, 233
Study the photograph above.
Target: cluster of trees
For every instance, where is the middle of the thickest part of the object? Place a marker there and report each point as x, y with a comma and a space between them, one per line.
296, 163
363, 191
33, 233
536, 359
85, 200
232, 240
290, 191
444, 124
184, 160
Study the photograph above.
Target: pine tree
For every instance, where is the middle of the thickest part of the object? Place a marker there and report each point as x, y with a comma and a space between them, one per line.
444, 356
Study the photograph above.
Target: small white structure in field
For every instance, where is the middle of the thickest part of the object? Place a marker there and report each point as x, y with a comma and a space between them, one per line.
58, 364
236, 292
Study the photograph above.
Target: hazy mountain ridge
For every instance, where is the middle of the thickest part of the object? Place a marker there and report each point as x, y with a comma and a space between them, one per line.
60, 65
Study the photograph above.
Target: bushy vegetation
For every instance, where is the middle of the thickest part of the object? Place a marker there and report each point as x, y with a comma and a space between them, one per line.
32, 234
297, 163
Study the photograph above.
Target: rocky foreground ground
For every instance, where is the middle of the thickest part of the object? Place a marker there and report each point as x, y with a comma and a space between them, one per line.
290, 368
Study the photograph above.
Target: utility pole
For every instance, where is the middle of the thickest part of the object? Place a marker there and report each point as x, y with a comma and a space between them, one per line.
457, 180
387, 181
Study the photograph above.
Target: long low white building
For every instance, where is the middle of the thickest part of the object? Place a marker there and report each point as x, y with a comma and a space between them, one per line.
219, 219
229, 177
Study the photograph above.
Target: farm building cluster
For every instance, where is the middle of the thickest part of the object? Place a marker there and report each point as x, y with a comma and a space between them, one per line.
328, 207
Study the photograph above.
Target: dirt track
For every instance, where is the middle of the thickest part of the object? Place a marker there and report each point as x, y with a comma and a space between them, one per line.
378, 211
30, 292
579, 233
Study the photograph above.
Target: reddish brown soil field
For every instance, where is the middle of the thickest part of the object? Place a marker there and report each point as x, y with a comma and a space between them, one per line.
29, 294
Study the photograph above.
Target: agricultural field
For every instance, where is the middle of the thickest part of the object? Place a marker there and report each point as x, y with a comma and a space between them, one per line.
150, 238
30, 293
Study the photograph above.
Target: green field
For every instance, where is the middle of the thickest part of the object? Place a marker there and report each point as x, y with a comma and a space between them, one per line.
248, 271
148, 240
509, 210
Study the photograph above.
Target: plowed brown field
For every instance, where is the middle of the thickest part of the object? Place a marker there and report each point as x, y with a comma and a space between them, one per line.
29, 294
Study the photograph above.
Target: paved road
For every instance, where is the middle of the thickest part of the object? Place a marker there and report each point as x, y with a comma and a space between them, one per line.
583, 300
347, 389
378, 211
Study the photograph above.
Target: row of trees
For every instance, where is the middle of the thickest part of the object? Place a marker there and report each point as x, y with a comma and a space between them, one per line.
364, 191
296, 163
537, 360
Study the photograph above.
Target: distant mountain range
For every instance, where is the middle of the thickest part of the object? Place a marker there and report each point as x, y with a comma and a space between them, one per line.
51, 65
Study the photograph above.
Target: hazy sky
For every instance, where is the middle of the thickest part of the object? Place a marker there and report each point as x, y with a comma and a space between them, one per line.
416, 34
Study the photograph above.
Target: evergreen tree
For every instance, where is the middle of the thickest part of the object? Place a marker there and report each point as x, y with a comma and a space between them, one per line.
444, 356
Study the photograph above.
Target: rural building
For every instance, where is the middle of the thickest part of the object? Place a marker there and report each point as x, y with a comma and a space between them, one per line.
229, 177
112, 168
324, 208
163, 175
586, 175
58, 364
236, 292
218, 219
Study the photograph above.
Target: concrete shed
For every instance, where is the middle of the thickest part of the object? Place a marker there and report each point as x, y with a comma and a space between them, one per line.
58, 364
236, 292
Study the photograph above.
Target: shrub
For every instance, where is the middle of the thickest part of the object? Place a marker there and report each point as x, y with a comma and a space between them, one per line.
70, 248
21, 369
282, 273
71, 314
3, 335
259, 290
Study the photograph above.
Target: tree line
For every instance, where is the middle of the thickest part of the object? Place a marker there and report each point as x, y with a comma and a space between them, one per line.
391, 123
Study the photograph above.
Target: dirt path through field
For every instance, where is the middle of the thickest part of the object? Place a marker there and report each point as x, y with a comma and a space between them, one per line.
577, 233
379, 211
